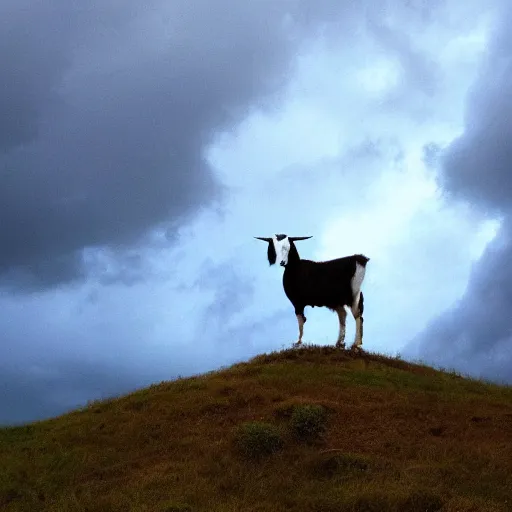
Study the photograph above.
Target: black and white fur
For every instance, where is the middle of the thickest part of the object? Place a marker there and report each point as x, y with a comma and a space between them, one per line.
333, 284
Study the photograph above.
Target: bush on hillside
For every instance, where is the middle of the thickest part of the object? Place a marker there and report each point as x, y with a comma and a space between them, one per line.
308, 422
257, 439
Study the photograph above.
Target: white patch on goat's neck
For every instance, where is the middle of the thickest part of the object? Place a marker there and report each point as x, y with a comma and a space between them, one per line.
282, 250
356, 282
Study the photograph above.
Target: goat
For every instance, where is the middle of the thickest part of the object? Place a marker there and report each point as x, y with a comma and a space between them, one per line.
333, 284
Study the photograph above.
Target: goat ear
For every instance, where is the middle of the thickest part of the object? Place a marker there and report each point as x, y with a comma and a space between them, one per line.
297, 238
271, 252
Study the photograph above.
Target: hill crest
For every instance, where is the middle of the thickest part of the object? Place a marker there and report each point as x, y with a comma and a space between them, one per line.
391, 436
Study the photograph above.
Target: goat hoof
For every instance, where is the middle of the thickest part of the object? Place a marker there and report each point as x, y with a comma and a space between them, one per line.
341, 346
356, 349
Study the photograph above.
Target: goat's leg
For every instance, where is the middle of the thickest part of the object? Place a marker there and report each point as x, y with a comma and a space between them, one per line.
342, 316
357, 311
301, 319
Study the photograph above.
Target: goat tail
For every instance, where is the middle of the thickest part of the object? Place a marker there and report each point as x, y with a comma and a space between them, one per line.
361, 259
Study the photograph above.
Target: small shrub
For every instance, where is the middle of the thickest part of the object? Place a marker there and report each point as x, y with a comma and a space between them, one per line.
257, 439
308, 422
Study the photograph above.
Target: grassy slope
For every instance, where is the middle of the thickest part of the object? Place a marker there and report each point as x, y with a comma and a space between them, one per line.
399, 437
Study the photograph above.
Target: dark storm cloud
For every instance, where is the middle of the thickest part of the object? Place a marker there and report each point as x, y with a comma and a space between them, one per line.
477, 165
105, 111
476, 334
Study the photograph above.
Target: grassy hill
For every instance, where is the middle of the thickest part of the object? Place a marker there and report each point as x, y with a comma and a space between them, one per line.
313, 429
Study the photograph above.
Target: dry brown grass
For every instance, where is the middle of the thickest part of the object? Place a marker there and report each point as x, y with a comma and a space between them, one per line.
398, 437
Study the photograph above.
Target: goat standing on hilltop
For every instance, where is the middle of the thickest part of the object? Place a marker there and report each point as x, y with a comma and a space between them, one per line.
333, 284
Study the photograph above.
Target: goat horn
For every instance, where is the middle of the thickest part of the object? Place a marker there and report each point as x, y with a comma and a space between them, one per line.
297, 238
263, 238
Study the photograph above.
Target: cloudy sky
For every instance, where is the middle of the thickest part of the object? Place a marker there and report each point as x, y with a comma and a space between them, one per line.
143, 145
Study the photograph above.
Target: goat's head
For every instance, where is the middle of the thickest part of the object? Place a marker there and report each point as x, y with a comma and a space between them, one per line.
280, 245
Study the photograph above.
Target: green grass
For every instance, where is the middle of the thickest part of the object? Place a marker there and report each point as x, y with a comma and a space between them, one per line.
330, 431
